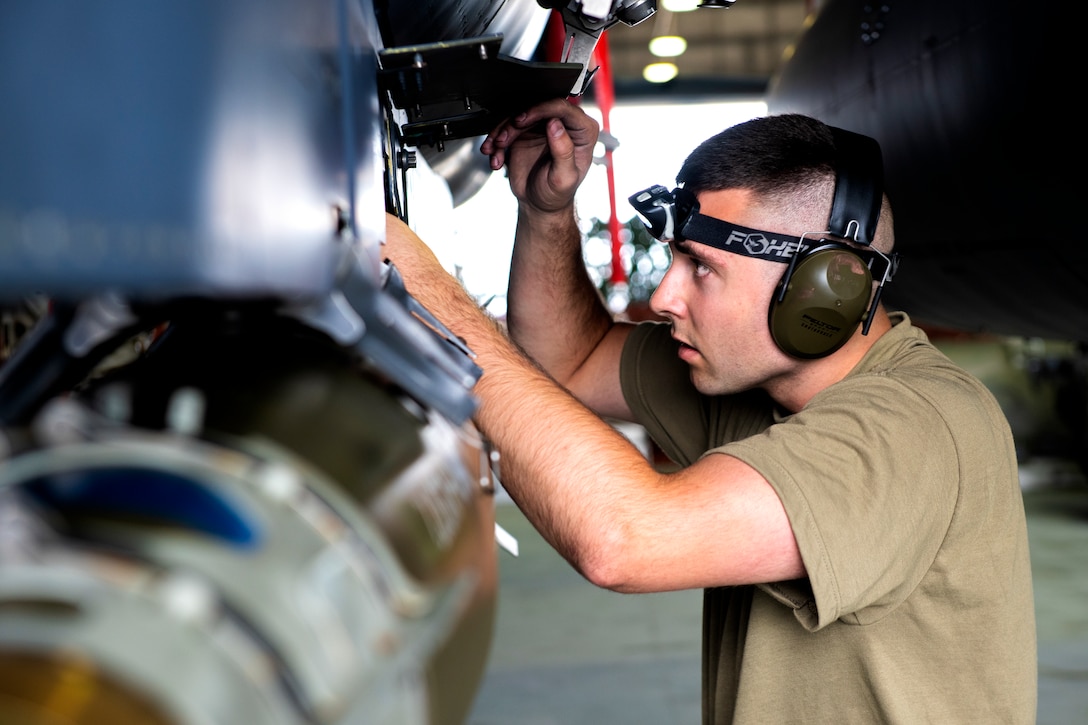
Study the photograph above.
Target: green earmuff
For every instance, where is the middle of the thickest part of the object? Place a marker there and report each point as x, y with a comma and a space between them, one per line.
825, 293
824, 301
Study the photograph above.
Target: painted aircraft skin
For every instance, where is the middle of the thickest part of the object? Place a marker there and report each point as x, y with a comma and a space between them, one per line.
963, 97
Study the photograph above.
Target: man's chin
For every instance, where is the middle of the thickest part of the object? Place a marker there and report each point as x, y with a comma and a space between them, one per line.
701, 382
708, 384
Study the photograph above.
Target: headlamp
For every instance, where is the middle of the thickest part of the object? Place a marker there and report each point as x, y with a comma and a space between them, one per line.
657, 207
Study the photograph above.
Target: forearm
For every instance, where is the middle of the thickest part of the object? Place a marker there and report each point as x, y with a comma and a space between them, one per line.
562, 464
554, 312
578, 481
589, 492
603, 507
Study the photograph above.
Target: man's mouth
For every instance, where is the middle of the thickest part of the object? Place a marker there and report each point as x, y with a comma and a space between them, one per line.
686, 351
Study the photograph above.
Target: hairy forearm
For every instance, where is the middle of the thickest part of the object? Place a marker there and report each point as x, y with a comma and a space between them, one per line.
572, 474
554, 312
565, 467
589, 492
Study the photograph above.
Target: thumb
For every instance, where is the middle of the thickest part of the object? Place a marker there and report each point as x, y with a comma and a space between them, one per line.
564, 170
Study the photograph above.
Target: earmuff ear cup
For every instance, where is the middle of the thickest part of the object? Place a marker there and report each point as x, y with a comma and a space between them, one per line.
825, 300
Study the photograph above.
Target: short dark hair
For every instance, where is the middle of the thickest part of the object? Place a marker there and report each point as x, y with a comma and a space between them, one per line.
771, 155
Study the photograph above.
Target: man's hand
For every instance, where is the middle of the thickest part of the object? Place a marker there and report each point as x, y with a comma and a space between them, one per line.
547, 151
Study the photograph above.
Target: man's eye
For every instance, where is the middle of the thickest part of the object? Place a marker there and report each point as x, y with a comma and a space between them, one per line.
701, 269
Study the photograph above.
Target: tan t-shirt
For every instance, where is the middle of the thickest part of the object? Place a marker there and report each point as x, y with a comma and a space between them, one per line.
900, 483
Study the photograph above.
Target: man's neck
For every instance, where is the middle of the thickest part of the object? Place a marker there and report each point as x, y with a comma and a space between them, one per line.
795, 390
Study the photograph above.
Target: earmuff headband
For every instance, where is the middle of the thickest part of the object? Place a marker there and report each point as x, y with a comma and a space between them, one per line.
859, 185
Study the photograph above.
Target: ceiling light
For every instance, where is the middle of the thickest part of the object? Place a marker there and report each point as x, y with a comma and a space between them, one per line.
680, 6
660, 72
668, 46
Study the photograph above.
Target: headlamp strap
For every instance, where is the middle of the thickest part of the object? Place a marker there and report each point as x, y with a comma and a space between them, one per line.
749, 242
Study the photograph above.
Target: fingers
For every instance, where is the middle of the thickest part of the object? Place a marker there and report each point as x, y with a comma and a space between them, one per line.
503, 137
581, 128
560, 144
495, 146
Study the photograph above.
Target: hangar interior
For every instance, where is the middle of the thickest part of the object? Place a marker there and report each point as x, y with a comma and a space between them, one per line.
193, 511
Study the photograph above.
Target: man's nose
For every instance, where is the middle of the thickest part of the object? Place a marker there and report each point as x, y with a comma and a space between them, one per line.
664, 300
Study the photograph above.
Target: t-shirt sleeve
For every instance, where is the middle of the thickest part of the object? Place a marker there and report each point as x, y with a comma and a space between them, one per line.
868, 511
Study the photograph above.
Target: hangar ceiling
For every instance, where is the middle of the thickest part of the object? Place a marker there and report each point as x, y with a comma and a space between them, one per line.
735, 49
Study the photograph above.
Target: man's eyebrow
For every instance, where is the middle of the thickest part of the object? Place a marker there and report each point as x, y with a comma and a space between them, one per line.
686, 248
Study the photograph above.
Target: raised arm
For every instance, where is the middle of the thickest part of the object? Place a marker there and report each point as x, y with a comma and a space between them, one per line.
554, 312
586, 488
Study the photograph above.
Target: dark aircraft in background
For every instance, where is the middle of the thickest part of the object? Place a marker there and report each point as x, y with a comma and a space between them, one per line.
238, 476
980, 154
980, 151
